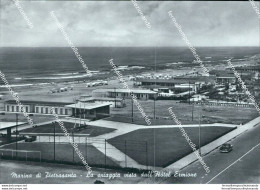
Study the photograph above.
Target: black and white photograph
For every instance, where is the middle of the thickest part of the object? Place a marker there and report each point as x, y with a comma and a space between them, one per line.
129, 92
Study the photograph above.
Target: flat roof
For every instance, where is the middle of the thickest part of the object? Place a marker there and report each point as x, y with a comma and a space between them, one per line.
88, 105
252, 67
83, 99
108, 99
180, 80
6, 125
226, 76
32, 102
135, 91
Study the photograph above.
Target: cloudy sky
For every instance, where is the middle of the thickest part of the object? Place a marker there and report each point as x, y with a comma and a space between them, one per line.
107, 23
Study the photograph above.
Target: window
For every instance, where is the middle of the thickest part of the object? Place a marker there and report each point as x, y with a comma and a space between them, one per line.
7, 107
37, 109
27, 109
12, 108
17, 108
41, 109
61, 111
46, 110
66, 112
91, 112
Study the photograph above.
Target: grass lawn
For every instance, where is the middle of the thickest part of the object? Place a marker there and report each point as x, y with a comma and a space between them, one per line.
167, 145
64, 153
48, 128
212, 114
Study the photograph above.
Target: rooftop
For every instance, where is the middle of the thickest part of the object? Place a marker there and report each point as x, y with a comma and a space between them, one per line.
6, 125
107, 99
226, 75
135, 91
180, 80
253, 67
87, 105
35, 102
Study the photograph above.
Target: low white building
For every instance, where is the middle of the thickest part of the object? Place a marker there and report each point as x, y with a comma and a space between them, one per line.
42, 107
124, 93
92, 110
114, 102
198, 97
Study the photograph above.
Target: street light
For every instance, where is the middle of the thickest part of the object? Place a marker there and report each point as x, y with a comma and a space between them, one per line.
115, 96
200, 134
192, 109
155, 97
54, 133
72, 131
131, 93
16, 131
200, 114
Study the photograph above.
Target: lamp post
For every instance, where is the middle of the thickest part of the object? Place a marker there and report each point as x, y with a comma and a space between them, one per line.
200, 114
16, 131
73, 143
115, 96
200, 135
132, 107
154, 99
54, 133
192, 110
189, 92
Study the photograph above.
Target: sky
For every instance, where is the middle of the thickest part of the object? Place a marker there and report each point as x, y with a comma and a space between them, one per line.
106, 23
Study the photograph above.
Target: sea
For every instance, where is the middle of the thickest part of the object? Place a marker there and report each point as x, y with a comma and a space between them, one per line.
41, 65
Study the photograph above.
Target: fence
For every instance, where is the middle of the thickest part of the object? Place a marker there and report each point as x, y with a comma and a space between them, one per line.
97, 152
227, 104
26, 155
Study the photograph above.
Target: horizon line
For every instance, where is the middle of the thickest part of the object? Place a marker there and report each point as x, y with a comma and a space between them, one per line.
115, 46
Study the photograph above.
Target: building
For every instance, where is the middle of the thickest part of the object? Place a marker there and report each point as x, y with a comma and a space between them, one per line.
9, 127
253, 68
88, 110
139, 93
193, 83
256, 91
124, 93
114, 102
226, 78
198, 97
42, 107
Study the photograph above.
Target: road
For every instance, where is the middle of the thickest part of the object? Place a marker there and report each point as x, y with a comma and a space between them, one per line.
242, 165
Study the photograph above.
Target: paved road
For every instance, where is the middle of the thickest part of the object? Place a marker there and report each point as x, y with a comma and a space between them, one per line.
242, 165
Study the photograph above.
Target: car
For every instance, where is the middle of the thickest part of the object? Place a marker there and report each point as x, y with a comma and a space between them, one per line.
30, 138
225, 148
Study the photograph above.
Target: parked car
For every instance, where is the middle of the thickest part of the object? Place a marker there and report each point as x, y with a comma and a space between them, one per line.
225, 148
30, 138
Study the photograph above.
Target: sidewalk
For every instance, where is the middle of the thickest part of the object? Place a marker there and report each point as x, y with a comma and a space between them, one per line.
213, 145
